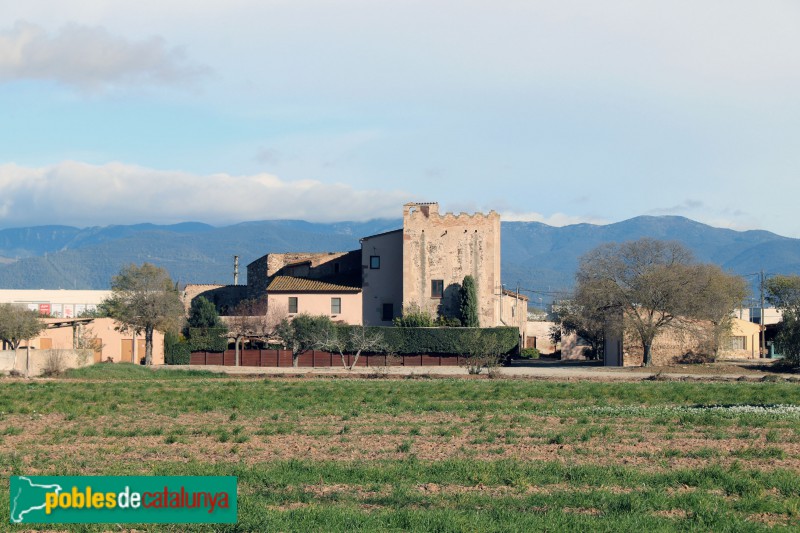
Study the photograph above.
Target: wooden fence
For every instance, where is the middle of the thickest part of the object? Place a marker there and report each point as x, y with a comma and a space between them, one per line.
318, 359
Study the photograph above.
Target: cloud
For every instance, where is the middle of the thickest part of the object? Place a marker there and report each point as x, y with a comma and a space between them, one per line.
90, 58
687, 205
81, 194
556, 219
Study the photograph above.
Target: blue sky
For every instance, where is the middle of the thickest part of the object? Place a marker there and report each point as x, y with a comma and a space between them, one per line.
566, 111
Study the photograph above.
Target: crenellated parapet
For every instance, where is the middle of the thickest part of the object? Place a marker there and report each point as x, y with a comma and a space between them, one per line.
428, 213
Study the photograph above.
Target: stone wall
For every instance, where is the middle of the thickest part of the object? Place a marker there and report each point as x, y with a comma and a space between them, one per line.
345, 266
538, 333
669, 346
224, 297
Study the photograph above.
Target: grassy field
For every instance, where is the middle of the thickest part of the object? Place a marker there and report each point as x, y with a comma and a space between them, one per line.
425, 454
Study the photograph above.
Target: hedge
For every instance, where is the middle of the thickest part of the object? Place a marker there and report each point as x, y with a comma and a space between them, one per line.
438, 341
208, 339
176, 350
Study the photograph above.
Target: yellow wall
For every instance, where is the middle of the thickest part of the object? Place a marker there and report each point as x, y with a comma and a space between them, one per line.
114, 344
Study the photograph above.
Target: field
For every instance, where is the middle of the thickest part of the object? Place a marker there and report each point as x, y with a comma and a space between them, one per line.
425, 454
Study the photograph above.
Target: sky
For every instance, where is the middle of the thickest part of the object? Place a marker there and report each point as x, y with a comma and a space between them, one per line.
562, 112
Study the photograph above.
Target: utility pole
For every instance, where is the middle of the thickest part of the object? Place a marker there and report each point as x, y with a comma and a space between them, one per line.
763, 340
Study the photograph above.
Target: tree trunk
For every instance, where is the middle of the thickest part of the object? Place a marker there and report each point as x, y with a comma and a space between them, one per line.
344, 364
355, 359
295, 357
28, 360
148, 346
236, 348
14, 367
647, 359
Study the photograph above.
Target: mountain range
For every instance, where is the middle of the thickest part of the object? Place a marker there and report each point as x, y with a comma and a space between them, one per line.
538, 258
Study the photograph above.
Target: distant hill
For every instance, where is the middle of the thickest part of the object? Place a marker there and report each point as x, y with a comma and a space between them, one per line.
535, 256
52, 257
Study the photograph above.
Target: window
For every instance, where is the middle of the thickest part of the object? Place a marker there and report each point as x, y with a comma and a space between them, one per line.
336, 306
738, 343
374, 261
388, 312
437, 288
292, 304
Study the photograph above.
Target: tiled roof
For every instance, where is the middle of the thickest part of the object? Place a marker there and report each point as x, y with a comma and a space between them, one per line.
292, 284
381, 234
514, 294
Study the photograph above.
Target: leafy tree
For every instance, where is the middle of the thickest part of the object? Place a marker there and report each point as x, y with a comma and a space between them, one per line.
468, 303
203, 314
784, 293
204, 329
143, 299
415, 316
303, 332
655, 284
19, 324
583, 318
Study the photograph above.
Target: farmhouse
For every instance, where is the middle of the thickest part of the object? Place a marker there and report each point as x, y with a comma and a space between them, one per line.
421, 264
69, 327
679, 342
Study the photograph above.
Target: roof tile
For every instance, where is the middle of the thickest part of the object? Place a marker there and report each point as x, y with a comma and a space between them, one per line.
290, 284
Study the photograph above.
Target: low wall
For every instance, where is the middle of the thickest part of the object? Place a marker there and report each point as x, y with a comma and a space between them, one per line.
40, 359
318, 359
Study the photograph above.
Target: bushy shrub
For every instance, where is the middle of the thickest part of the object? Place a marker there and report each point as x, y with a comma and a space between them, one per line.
529, 353
55, 363
448, 322
692, 358
414, 317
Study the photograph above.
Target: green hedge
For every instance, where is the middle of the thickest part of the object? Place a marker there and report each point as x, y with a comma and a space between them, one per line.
176, 349
208, 339
439, 341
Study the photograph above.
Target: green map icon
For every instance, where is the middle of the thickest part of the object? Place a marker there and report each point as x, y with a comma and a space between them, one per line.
28, 499
123, 499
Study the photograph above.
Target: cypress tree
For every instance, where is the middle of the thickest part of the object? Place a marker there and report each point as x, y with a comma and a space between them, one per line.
469, 303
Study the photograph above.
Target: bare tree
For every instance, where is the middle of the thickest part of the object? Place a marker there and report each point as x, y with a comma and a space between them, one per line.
717, 295
358, 339
481, 351
253, 319
656, 284
245, 321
